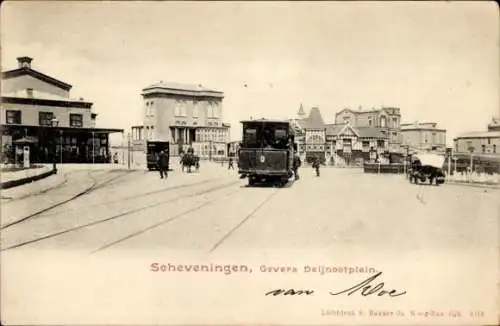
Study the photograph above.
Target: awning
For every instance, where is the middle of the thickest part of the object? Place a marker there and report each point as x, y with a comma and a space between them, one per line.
430, 159
26, 140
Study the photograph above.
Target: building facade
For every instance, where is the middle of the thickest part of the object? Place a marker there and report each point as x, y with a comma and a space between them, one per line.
387, 120
480, 142
424, 136
37, 112
338, 143
186, 116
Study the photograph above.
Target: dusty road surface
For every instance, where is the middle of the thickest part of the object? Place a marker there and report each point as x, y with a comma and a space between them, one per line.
213, 210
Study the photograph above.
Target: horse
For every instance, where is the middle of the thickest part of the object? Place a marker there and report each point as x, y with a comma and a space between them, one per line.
189, 160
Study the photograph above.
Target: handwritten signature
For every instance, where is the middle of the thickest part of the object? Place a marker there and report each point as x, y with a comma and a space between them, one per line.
365, 288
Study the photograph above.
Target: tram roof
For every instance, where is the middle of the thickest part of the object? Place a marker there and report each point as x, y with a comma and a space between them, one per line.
266, 121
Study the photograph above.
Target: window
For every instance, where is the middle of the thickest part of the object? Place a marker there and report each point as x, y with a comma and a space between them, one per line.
394, 122
383, 122
196, 110
75, 120
370, 122
494, 148
13, 117
29, 92
180, 109
489, 141
45, 118
250, 137
483, 148
212, 110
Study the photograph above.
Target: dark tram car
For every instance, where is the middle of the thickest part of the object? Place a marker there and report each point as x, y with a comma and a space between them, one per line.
153, 150
266, 152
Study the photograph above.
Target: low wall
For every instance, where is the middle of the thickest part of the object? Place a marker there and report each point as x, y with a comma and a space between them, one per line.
22, 181
395, 168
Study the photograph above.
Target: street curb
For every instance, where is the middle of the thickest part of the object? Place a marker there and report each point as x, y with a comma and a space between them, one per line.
475, 185
20, 182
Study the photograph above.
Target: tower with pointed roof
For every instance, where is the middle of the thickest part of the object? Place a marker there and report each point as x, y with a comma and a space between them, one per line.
301, 114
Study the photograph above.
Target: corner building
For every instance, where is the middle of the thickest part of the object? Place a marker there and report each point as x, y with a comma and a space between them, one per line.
30, 102
184, 115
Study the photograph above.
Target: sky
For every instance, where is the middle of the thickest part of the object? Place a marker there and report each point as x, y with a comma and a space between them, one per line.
437, 61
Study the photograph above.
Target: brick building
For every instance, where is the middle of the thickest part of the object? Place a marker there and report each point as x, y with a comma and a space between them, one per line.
387, 120
339, 143
37, 111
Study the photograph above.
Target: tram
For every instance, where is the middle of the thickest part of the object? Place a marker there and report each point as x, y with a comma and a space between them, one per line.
267, 151
153, 151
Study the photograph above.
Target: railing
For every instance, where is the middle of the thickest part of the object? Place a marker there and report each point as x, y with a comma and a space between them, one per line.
395, 168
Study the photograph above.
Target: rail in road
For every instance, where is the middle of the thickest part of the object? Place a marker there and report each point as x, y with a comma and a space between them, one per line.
135, 201
95, 185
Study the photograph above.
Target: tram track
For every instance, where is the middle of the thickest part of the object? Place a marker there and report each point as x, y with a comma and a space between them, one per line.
185, 214
245, 219
95, 185
127, 213
139, 195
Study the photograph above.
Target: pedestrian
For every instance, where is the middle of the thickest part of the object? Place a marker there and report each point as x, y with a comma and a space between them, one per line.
316, 165
230, 165
163, 164
296, 164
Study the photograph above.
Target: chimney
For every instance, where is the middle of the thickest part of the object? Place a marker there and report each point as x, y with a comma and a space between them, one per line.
24, 62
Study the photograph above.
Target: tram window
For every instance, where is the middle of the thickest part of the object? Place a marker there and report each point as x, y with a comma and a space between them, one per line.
250, 137
281, 138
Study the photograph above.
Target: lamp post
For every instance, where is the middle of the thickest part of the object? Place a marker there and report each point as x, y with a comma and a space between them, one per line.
54, 123
471, 150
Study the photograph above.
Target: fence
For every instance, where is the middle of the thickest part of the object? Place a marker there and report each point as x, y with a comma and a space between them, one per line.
395, 168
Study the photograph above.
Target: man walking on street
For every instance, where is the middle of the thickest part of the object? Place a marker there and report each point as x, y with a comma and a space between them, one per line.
296, 164
230, 166
316, 165
163, 164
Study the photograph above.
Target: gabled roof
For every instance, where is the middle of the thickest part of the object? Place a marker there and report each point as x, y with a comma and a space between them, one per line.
348, 126
361, 132
333, 129
35, 74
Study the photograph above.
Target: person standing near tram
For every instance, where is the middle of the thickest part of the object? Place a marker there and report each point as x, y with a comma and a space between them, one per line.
296, 163
316, 164
163, 164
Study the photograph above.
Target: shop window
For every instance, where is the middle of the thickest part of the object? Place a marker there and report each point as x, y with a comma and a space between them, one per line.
45, 118
13, 117
75, 120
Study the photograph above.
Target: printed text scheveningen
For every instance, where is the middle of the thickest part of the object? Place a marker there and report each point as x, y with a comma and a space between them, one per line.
268, 268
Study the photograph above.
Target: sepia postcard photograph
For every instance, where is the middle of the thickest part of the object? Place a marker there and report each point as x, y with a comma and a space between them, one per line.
250, 163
